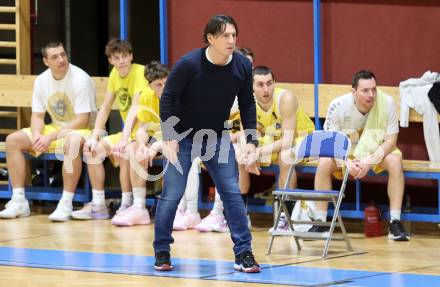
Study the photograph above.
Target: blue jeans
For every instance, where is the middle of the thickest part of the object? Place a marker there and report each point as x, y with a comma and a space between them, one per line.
225, 177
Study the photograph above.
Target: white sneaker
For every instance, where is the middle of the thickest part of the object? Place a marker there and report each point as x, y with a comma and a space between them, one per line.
188, 220
134, 215
62, 212
14, 209
282, 225
213, 223
123, 207
180, 212
91, 211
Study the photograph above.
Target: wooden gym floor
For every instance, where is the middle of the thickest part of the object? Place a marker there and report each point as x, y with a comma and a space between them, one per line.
35, 252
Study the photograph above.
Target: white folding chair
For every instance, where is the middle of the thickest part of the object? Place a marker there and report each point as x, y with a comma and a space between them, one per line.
328, 144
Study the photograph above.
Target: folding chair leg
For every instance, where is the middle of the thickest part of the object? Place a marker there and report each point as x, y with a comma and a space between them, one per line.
332, 229
298, 245
344, 233
277, 215
288, 218
276, 207
269, 250
329, 238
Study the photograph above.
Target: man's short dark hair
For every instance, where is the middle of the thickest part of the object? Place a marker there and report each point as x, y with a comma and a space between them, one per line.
262, 70
155, 71
52, 44
245, 52
362, 74
217, 25
117, 45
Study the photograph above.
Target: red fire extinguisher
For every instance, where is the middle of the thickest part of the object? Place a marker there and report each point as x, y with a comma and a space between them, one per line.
372, 221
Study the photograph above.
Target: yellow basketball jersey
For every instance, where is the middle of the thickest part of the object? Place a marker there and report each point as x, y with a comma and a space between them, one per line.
125, 88
148, 112
269, 122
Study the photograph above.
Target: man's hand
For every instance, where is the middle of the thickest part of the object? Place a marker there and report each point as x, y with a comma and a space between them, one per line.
90, 145
41, 143
353, 167
146, 154
358, 169
235, 137
120, 149
141, 154
170, 150
142, 136
363, 170
250, 159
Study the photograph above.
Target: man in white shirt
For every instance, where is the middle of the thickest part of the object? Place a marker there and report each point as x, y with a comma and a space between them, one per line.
350, 114
67, 93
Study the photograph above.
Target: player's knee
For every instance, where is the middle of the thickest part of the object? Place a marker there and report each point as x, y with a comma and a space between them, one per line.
394, 163
325, 166
14, 140
72, 144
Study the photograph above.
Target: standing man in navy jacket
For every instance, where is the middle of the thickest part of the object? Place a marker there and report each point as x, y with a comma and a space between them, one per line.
200, 92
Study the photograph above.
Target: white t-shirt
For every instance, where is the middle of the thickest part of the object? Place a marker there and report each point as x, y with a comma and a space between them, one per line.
63, 99
343, 115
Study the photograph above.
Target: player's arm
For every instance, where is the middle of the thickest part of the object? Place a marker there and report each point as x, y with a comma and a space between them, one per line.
288, 108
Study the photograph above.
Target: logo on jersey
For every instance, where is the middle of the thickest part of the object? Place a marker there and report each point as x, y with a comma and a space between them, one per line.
60, 107
124, 99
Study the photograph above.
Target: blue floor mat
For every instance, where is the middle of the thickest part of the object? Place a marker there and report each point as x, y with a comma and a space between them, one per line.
207, 269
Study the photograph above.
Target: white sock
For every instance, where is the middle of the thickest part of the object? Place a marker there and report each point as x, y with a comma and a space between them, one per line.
395, 214
182, 204
139, 195
192, 205
192, 187
18, 194
98, 197
127, 198
66, 198
218, 204
321, 215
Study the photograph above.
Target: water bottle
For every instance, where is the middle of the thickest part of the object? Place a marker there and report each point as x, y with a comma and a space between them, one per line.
372, 221
211, 194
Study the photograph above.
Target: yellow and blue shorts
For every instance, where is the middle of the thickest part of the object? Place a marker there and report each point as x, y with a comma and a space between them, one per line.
57, 145
112, 141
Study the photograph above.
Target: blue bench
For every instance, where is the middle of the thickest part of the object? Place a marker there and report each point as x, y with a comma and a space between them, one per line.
46, 192
412, 169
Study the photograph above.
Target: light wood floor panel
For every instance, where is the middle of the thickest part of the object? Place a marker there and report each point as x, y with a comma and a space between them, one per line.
419, 256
